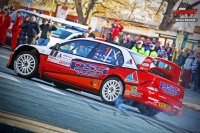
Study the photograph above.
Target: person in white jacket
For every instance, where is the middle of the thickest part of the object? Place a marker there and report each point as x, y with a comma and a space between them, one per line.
187, 70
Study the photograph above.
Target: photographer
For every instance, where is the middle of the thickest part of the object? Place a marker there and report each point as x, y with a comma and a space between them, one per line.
46, 28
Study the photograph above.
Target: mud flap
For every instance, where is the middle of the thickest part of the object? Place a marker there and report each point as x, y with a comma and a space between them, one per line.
180, 113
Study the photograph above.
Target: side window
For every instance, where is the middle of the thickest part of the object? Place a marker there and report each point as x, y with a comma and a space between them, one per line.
80, 48
108, 54
120, 61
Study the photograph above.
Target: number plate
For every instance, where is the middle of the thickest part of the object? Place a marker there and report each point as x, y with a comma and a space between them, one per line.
164, 106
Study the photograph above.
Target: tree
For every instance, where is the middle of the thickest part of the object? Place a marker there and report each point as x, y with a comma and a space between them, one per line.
169, 17
79, 9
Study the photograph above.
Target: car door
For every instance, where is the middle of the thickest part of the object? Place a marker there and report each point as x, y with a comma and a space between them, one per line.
101, 63
59, 61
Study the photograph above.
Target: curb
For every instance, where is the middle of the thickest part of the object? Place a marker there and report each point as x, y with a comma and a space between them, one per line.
28, 124
191, 106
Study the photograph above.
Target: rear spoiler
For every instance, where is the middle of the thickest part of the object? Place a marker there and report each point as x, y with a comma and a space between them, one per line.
172, 74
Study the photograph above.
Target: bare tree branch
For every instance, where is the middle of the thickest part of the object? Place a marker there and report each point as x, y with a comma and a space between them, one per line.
160, 7
90, 7
96, 12
104, 6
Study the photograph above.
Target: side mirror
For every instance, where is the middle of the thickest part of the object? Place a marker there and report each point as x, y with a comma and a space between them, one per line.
56, 47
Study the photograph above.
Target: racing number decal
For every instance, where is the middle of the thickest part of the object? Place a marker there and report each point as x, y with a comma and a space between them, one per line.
88, 69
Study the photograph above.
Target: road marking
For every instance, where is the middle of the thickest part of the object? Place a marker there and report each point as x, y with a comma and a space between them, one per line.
3, 56
7, 76
45, 87
31, 125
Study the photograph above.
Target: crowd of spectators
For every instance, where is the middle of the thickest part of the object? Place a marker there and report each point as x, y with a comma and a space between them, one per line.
186, 59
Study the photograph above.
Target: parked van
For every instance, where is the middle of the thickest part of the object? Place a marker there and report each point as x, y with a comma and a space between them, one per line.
58, 22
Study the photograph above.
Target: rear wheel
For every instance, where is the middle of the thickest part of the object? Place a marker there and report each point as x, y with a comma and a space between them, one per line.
26, 64
147, 110
111, 90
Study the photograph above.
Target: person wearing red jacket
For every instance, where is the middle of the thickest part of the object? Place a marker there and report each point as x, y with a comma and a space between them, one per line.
116, 29
1, 18
4, 27
16, 30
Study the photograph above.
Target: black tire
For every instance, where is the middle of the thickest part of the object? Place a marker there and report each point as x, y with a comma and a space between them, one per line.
31, 63
60, 85
117, 92
147, 110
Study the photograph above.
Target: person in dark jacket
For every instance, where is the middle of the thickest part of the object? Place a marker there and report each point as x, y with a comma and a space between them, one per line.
23, 32
47, 27
179, 60
157, 47
33, 31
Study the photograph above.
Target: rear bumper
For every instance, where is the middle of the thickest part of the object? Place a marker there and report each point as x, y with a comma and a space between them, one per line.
154, 99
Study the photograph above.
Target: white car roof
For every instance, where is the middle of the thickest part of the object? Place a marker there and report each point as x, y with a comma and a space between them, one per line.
70, 30
111, 44
60, 20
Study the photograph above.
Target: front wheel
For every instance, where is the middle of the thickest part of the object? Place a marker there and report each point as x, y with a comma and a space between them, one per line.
147, 110
111, 90
26, 64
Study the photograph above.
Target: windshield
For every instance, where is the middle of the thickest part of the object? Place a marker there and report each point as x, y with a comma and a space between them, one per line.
138, 58
61, 33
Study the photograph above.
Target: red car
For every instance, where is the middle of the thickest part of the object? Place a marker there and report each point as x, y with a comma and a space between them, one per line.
104, 69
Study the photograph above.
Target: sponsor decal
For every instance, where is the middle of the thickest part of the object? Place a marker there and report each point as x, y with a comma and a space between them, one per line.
59, 55
129, 62
127, 92
139, 95
132, 77
129, 78
60, 58
153, 99
135, 93
134, 89
88, 69
53, 59
169, 89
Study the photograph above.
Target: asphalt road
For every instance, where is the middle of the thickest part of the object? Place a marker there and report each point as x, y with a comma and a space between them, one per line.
79, 111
